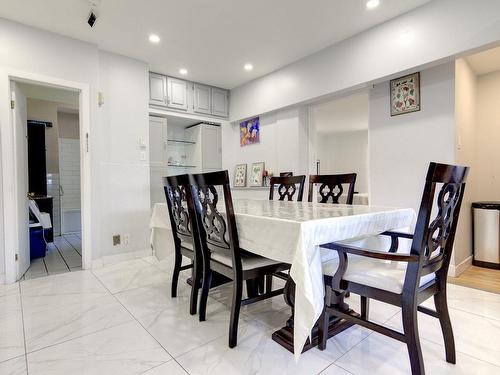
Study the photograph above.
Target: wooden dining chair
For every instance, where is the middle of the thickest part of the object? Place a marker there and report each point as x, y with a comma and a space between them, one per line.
331, 187
177, 193
404, 279
220, 246
287, 187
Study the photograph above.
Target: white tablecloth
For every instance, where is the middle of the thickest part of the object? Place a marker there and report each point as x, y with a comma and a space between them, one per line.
291, 232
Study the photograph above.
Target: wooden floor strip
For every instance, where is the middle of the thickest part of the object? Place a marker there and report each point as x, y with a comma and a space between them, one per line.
479, 278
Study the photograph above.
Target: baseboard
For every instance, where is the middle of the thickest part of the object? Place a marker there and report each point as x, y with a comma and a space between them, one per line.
117, 258
455, 271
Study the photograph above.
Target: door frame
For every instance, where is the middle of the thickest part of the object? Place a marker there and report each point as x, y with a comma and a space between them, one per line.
9, 188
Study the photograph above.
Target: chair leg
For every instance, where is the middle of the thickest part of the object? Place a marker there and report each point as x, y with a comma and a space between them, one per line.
252, 288
196, 278
323, 323
260, 285
365, 307
235, 311
410, 328
269, 283
175, 276
441, 303
205, 287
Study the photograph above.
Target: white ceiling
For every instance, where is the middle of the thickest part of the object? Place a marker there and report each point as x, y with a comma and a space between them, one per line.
213, 39
349, 113
485, 62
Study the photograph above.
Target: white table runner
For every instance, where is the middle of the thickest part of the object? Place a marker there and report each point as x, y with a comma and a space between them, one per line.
291, 232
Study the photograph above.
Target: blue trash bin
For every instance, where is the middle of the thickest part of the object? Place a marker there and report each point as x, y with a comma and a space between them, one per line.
38, 247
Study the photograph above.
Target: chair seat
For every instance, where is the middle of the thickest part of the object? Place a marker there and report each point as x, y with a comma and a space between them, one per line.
248, 262
376, 273
187, 245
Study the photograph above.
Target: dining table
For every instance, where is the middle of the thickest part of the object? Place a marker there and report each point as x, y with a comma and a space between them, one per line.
293, 232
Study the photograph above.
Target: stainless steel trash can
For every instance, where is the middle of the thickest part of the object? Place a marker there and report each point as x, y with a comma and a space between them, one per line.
486, 232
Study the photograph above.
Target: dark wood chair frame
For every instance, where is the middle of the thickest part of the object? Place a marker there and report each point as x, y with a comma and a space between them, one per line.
331, 186
176, 192
432, 245
218, 234
287, 187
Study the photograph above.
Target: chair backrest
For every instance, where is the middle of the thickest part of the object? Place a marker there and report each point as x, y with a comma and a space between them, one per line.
217, 230
287, 187
286, 174
433, 239
177, 193
331, 187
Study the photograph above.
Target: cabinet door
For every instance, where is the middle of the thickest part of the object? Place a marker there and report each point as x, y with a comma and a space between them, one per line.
202, 99
211, 147
177, 93
220, 103
157, 141
157, 89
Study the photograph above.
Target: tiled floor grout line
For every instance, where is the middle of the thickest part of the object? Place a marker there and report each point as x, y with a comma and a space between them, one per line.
62, 257
24, 329
145, 329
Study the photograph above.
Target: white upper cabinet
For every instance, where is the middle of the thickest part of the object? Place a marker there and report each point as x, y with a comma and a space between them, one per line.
220, 102
157, 89
202, 99
177, 93
187, 96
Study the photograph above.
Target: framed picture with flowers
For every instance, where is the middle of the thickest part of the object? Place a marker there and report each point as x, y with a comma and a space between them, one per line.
240, 175
405, 94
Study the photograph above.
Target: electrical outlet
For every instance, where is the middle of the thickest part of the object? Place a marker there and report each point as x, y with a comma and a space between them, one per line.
126, 239
116, 240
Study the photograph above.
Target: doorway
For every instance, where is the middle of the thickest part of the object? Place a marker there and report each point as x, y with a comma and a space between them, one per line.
341, 134
49, 218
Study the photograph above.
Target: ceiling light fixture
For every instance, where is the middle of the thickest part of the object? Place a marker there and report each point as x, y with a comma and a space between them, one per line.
153, 38
371, 4
183, 71
248, 67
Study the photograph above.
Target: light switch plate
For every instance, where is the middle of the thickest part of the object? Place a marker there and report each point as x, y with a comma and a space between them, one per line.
143, 155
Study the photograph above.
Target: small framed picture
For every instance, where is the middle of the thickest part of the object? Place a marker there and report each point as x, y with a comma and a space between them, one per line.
405, 94
257, 174
240, 175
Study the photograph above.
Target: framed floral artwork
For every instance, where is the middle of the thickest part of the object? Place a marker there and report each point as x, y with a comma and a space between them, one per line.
405, 94
257, 174
250, 132
240, 175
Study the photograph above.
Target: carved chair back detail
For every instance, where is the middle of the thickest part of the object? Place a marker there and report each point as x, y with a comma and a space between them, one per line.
331, 187
287, 187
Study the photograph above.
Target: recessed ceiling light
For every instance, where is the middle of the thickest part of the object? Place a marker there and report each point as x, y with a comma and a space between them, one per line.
248, 67
183, 71
153, 38
371, 4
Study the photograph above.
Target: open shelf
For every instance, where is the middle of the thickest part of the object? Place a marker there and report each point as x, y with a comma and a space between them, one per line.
181, 141
181, 166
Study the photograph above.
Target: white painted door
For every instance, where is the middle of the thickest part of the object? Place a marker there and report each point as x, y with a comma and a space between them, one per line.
20, 123
157, 89
202, 99
220, 102
177, 93
211, 148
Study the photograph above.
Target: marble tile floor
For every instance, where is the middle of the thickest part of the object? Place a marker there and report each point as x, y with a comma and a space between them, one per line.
63, 255
120, 319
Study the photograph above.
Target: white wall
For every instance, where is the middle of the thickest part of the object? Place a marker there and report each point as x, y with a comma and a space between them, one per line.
345, 152
401, 147
466, 151
124, 203
283, 146
488, 137
433, 33
120, 181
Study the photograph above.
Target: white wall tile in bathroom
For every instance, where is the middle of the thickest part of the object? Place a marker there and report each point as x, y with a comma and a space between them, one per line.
69, 167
